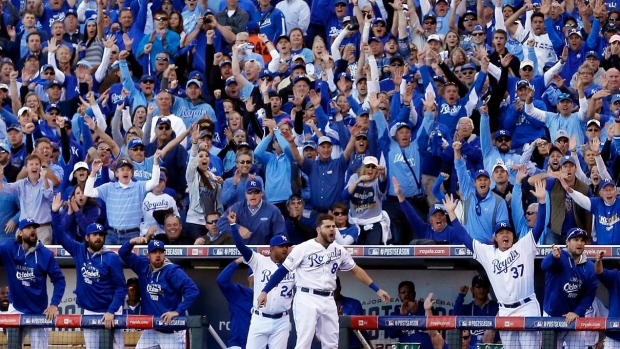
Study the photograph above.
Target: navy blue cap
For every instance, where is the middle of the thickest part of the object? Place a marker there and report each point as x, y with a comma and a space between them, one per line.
52, 106
378, 19
25, 223
436, 208
567, 159
266, 73
123, 162
298, 65
575, 32
523, 83
94, 228
347, 75
576, 232
147, 77
593, 54
253, 184
502, 133
468, 66
439, 78
481, 173
163, 120
230, 80
279, 240
549, 64
430, 15
480, 281
30, 55
503, 225
283, 37
362, 111
55, 83
397, 58
134, 143
17, 127
607, 182
374, 38
155, 245
478, 28
302, 77
71, 12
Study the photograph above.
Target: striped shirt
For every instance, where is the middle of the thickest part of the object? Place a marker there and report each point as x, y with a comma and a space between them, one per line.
35, 201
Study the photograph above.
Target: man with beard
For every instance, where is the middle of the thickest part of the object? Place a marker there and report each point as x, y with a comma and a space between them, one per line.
605, 210
270, 325
570, 285
101, 287
28, 264
167, 291
314, 306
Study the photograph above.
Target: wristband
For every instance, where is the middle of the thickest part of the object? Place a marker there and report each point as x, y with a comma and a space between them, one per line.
374, 287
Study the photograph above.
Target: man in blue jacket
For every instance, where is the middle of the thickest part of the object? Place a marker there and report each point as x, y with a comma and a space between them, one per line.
570, 285
28, 264
240, 300
166, 290
480, 306
101, 287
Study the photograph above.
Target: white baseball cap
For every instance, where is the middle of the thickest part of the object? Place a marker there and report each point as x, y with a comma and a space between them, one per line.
370, 160
77, 166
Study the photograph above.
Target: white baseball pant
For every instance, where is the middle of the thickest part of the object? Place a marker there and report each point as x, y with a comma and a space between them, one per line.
154, 339
521, 339
39, 337
265, 331
91, 335
313, 311
611, 343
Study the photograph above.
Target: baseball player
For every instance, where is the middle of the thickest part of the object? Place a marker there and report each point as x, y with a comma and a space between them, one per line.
269, 325
316, 262
100, 284
610, 278
570, 285
166, 290
240, 300
28, 264
510, 268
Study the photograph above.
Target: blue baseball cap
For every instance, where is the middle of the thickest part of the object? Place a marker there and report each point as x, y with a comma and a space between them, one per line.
85, 64
123, 162
378, 19
55, 83
94, 228
436, 208
309, 144
614, 98
347, 75
439, 78
15, 127
230, 80
46, 66
374, 38
223, 63
362, 111
502, 133
481, 173
503, 225
30, 55
300, 78
478, 28
147, 77
155, 245
253, 184
266, 73
193, 81
279, 240
576, 232
5, 147
593, 54
362, 134
567, 159
163, 120
480, 281
607, 182
52, 106
575, 32
134, 143
564, 96
468, 66
523, 83
71, 12
549, 64
195, 74
25, 223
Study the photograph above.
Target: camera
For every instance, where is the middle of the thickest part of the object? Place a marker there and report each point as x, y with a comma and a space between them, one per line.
207, 19
354, 24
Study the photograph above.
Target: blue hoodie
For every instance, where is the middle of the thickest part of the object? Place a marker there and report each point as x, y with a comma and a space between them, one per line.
27, 273
100, 284
569, 286
164, 289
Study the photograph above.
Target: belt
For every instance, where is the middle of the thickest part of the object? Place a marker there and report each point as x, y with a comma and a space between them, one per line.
45, 224
125, 231
317, 292
516, 304
270, 316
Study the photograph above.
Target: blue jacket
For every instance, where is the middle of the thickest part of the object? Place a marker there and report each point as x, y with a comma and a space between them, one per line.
264, 224
569, 286
611, 280
165, 289
100, 284
27, 273
424, 230
490, 308
240, 299
413, 336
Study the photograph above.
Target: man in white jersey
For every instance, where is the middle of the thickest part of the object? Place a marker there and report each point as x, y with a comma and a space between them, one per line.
510, 268
316, 262
269, 325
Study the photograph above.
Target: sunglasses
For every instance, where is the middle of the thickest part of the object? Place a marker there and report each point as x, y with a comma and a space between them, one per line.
430, 23
465, 337
133, 133
379, 25
477, 34
212, 222
253, 192
468, 19
612, 19
340, 213
371, 166
104, 149
161, 19
114, 52
148, 82
528, 68
570, 25
468, 72
396, 65
503, 139
163, 128
529, 213
161, 59
138, 149
617, 103
244, 162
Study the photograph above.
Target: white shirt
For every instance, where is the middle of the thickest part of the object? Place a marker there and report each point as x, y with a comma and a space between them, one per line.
177, 125
154, 202
511, 272
316, 266
296, 14
279, 299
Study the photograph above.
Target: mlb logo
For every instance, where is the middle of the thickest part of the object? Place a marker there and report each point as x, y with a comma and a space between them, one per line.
507, 323
464, 323
219, 252
374, 251
361, 323
615, 324
539, 324
390, 322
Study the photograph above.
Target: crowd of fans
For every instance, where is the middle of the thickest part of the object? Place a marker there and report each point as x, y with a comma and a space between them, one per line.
158, 118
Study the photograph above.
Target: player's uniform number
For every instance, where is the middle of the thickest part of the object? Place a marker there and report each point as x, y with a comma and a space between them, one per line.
517, 271
286, 293
334, 268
